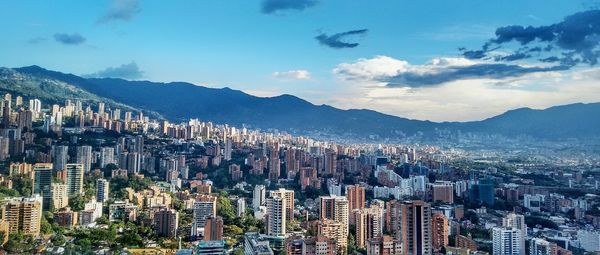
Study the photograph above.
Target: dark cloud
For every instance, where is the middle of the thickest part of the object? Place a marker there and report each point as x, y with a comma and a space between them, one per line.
121, 10
574, 40
514, 56
477, 54
550, 59
70, 39
455, 73
274, 6
129, 71
336, 40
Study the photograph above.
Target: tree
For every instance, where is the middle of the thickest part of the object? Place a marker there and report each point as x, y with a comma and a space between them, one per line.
22, 185
77, 203
226, 210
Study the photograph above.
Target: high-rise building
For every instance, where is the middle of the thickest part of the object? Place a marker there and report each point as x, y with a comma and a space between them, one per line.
507, 241
84, 157
42, 181
228, 148
330, 164
74, 179
334, 209
439, 231
35, 105
60, 195
410, 221
483, 191
369, 224
276, 215
102, 190
274, 169
213, 229
356, 199
205, 206
442, 191
241, 207
25, 119
61, 157
259, 196
23, 215
6, 111
288, 195
101, 108
513, 220
166, 222
107, 156
134, 162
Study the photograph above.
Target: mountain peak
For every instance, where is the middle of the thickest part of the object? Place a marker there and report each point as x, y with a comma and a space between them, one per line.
180, 101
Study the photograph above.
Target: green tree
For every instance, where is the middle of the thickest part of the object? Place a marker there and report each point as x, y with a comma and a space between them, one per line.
22, 185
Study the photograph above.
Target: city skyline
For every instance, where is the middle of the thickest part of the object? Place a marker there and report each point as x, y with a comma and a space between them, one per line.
407, 59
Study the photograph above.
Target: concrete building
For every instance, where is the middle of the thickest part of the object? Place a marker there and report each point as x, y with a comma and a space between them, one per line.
335, 219
439, 231
442, 191
166, 223
368, 224
102, 190
276, 216
205, 206
213, 229
356, 199
507, 241
84, 157
60, 195
410, 222
288, 195
74, 178
23, 215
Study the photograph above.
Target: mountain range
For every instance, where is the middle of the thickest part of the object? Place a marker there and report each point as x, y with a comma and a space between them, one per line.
179, 101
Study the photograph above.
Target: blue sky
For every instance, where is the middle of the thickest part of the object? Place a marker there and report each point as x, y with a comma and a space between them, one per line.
266, 52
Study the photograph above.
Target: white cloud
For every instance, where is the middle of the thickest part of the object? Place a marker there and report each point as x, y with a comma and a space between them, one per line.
387, 71
292, 75
461, 99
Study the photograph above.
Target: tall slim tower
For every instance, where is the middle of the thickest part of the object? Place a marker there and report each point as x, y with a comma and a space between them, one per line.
439, 231
356, 199
61, 156
107, 156
259, 196
102, 190
75, 179
228, 149
42, 181
276, 216
84, 157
